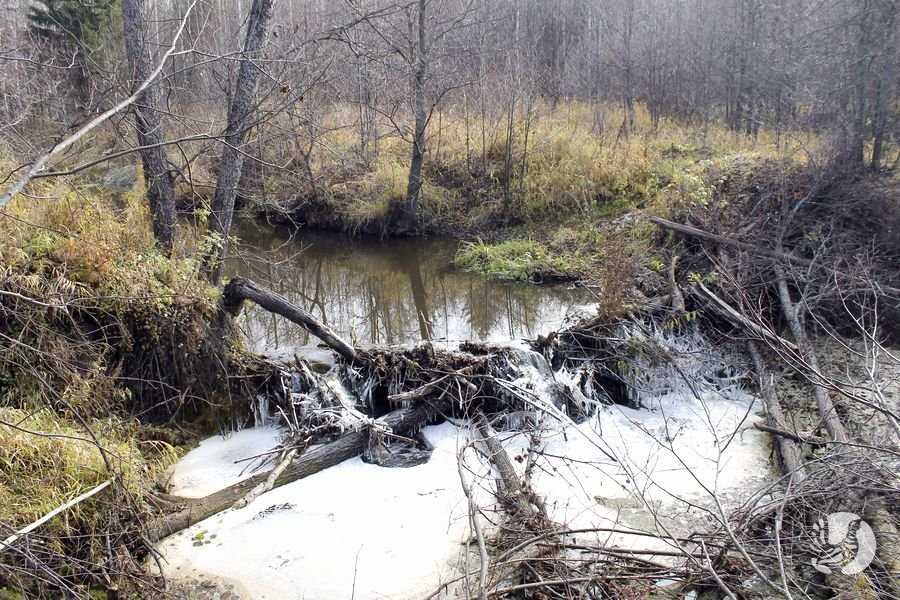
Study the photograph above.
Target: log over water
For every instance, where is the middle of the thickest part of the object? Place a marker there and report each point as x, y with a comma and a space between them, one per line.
240, 289
194, 510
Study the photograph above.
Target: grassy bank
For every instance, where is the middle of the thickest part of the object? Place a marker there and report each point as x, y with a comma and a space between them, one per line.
111, 356
554, 197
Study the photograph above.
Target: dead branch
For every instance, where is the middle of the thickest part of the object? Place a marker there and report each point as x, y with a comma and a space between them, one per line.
240, 289
269, 483
800, 438
5, 544
66, 143
731, 313
674, 290
511, 489
754, 249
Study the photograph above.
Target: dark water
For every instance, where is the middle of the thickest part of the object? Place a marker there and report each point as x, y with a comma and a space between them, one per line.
387, 292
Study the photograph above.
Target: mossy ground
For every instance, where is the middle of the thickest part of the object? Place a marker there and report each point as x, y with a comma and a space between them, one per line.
102, 338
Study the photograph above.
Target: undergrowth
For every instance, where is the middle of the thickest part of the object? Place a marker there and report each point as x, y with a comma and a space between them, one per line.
566, 159
553, 208
102, 337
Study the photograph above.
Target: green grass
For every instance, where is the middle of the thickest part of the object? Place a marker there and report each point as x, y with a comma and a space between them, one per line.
512, 260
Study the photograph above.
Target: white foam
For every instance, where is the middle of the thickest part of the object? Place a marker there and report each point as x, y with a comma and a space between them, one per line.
355, 528
212, 466
369, 532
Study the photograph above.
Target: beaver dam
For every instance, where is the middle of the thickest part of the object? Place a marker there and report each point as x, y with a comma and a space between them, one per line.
388, 426
604, 455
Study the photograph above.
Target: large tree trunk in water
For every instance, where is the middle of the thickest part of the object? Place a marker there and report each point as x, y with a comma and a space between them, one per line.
148, 122
194, 510
239, 120
240, 289
414, 186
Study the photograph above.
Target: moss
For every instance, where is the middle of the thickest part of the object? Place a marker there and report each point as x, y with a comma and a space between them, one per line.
513, 260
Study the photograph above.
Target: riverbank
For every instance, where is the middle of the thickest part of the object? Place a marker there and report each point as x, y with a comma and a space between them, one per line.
559, 196
112, 357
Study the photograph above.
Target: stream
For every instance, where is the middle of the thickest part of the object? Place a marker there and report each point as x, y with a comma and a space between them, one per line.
358, 530
374, 292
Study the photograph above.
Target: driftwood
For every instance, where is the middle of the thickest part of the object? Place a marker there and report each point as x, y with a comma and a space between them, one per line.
240, 289
194, 510
792, 314
269, 483
787, 447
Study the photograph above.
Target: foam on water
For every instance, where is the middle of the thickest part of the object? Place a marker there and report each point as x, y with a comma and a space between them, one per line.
374, 532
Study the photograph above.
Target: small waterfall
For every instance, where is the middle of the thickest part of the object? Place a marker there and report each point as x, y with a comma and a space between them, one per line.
643, 363
262, 411
565, 389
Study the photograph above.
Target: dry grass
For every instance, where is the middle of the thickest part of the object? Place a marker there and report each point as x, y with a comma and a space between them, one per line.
96, 327
571, 159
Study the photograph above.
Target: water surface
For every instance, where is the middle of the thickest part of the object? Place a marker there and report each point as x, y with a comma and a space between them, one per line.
372, 291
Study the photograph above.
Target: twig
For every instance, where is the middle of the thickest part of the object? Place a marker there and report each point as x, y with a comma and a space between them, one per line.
269, 483
12, 539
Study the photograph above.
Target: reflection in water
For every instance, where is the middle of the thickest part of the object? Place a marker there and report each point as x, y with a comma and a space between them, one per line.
392, 292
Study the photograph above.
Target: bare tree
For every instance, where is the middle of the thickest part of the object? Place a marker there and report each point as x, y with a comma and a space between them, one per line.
148, 122
240, 119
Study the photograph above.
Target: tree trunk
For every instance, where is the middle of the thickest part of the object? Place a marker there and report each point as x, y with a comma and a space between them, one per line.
856, 149
194, 510
240, 289
148, 122
239, 121
414, 186
507, 155
885, 85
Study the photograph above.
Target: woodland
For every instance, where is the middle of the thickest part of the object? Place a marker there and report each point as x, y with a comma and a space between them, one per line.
614, 280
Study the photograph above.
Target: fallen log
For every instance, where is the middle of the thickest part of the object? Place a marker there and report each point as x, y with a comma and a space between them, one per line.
721, 240
240, 289
511, 491
194, 510
522, 505
726, 241
791, 456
